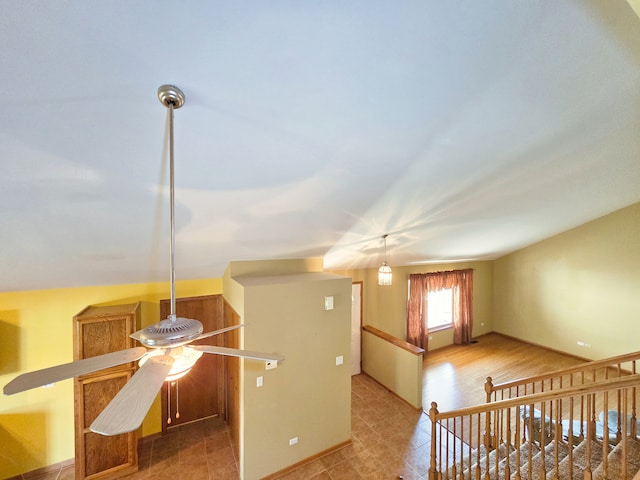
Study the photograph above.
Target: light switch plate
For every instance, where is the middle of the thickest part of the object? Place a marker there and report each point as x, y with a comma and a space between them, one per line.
339, 360
328, 302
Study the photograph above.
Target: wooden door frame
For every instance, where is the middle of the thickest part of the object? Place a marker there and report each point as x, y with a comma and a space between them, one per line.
361, 283
220, 373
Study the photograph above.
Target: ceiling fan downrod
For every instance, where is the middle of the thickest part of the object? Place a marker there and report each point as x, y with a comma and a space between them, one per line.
171, 97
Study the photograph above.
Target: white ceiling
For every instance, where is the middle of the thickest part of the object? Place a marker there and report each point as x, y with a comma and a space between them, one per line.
463, 129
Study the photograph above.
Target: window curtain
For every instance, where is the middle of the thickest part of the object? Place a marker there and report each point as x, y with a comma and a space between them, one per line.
420, 284
417, 331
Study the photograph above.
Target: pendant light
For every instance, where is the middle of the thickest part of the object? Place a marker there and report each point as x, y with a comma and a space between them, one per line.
384, 272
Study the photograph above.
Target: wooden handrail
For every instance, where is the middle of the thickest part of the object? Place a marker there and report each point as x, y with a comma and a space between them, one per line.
607, 362
604, 385
394, 340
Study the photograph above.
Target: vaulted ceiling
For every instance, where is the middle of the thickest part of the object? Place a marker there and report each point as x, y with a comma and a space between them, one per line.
463, 129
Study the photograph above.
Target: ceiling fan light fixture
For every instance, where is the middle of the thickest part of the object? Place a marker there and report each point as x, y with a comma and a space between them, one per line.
184, 358
385, 277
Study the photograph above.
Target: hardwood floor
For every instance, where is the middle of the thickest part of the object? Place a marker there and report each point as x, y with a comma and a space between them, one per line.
454, 376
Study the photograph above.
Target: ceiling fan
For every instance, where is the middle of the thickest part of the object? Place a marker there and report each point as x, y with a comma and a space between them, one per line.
166, 353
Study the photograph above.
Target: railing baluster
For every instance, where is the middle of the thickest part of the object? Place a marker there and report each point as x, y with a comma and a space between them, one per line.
446, 448
557, 435
478, 452
624, 435
570, 433
518, 444
587, 471
507, 468
543, 466
634, 424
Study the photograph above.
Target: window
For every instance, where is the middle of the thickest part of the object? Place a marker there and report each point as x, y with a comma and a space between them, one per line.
440, 309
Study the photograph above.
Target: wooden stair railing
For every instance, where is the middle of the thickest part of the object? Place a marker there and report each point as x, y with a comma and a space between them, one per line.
538, 436
583, 373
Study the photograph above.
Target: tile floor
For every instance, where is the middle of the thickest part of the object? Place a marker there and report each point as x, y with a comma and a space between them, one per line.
390, 440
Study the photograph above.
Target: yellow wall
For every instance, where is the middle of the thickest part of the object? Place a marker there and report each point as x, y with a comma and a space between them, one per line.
386, 307
582, 285
36, 427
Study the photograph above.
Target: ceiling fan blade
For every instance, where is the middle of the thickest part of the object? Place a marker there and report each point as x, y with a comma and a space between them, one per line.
38, 378
128, 408
218, 332
234, 352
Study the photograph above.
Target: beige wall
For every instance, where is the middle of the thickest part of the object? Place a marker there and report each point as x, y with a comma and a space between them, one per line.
307, 396
396, 368
582, 285
386, 307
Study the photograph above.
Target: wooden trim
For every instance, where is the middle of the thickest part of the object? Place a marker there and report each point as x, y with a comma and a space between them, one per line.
306, 461
361, 283
39, 472
395, 341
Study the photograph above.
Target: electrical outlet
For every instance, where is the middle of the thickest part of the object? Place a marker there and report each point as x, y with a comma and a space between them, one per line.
259, 381
339, 360
293, 441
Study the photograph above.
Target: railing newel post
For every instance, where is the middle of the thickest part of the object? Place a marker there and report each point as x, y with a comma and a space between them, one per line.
433, 415
488, 388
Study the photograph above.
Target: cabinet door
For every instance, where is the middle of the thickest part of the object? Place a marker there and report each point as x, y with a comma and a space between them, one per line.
98, 456
200, 393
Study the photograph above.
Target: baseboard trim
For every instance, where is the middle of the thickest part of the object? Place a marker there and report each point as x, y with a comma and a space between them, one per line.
306, 461
521, 340
539, 345
40, 472
417, 409
55, 467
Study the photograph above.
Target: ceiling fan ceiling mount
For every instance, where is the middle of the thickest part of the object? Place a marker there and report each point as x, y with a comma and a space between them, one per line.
170, 96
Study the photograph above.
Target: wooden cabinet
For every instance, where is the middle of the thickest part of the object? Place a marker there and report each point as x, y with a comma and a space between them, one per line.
99, 330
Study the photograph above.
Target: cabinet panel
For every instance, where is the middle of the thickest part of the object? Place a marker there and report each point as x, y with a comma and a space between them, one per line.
100, 337
98, 456
96, 393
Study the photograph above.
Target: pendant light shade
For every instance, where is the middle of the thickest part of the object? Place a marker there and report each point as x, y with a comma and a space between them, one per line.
385, 276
